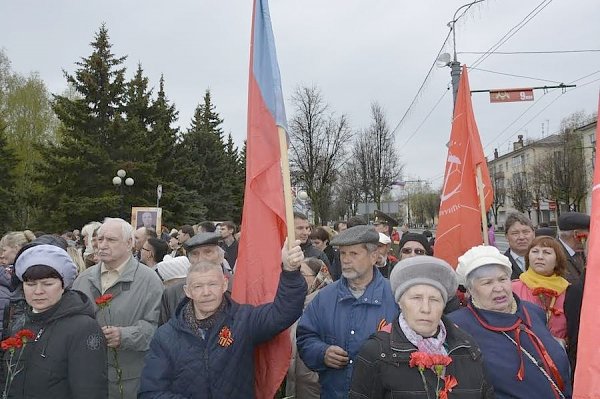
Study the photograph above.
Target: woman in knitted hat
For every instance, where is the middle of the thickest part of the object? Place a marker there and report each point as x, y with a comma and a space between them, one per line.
414, 244
521, 357
421, 354
63, 354
543, 283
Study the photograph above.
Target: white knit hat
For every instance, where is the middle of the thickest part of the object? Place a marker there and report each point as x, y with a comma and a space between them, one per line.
478, 256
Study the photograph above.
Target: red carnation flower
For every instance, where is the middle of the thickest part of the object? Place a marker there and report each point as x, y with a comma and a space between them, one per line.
421, 360
25, 335
104, 300
11, 343
441, 360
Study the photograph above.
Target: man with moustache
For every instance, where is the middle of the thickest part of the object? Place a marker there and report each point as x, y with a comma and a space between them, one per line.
344, 314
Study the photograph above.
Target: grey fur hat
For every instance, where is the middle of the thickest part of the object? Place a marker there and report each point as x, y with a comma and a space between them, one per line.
423, 270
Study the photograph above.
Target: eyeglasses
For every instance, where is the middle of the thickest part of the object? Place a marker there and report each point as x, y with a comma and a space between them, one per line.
417, 251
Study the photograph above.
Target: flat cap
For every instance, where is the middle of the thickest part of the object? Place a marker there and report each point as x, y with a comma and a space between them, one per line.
201, 239
573, 221
47, 255
545, 231
423, 270
361, 234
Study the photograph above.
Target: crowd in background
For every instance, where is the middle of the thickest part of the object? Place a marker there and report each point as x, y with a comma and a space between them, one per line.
373, 314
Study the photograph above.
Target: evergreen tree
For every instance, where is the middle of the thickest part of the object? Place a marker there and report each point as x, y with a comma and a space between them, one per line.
79, 169
179, 204
7, 182
204, 162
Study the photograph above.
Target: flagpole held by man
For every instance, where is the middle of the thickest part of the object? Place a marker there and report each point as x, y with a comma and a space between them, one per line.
267, 216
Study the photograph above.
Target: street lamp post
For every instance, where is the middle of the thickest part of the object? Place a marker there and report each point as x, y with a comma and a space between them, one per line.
118, 182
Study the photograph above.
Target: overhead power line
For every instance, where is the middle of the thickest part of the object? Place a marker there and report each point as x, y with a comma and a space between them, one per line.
512, 31
532, 52
426, 117
542, 110
414, 100
516, 76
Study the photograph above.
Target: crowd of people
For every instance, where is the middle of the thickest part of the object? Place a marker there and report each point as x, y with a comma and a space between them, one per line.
109, 311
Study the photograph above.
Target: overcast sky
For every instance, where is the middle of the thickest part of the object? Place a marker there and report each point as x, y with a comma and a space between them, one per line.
355, 51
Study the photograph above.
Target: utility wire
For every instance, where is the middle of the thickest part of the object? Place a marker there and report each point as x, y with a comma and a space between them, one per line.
512, 31
543, 109
414, 100
532, 52
516, 76
426, 117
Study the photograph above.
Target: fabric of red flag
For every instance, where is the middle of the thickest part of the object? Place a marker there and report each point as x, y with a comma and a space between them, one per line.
587, 383
258, 264
459, 222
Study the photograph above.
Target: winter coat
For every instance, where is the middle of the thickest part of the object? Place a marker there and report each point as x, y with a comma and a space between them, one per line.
500, 355
301, 381
558, 322
135, 309
67, 360
382, 368
5, 292
336, 317
182, 365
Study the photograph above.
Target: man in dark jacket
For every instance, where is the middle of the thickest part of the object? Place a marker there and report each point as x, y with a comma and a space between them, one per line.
191, 356
344, 314
519, 234
202, 246
574, 229
302, 230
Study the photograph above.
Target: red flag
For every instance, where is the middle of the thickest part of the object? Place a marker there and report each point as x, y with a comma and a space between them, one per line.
587, 383
258, 264
459, 225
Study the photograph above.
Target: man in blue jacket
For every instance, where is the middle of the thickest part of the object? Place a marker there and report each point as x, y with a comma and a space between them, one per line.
344, 314
206, 349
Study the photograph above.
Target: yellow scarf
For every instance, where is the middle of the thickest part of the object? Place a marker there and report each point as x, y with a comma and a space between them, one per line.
533, 280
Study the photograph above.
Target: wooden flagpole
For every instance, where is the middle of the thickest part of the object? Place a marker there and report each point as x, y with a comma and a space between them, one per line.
287, 186
484, 229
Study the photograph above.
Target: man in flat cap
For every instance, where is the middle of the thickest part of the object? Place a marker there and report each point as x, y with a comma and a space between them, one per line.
344, 314
203, 246
574, 229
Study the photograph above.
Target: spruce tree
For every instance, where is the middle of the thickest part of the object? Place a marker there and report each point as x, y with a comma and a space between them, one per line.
205, 165
7, 182
78, 170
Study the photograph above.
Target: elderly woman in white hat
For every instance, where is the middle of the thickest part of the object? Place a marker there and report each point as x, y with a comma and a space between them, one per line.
65, 353
422, 353
522, 358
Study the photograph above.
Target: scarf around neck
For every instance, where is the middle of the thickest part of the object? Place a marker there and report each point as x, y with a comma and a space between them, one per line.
534, 280
432, 345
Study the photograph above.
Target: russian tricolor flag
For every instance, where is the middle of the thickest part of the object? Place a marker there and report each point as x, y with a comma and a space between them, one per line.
263, 221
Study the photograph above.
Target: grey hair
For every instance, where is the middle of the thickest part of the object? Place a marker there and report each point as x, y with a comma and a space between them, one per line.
482, 271
517, 217
126, 228
203, 266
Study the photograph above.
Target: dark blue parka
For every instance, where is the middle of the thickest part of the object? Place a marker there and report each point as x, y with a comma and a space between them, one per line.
501, 357
181, 365
336, 317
